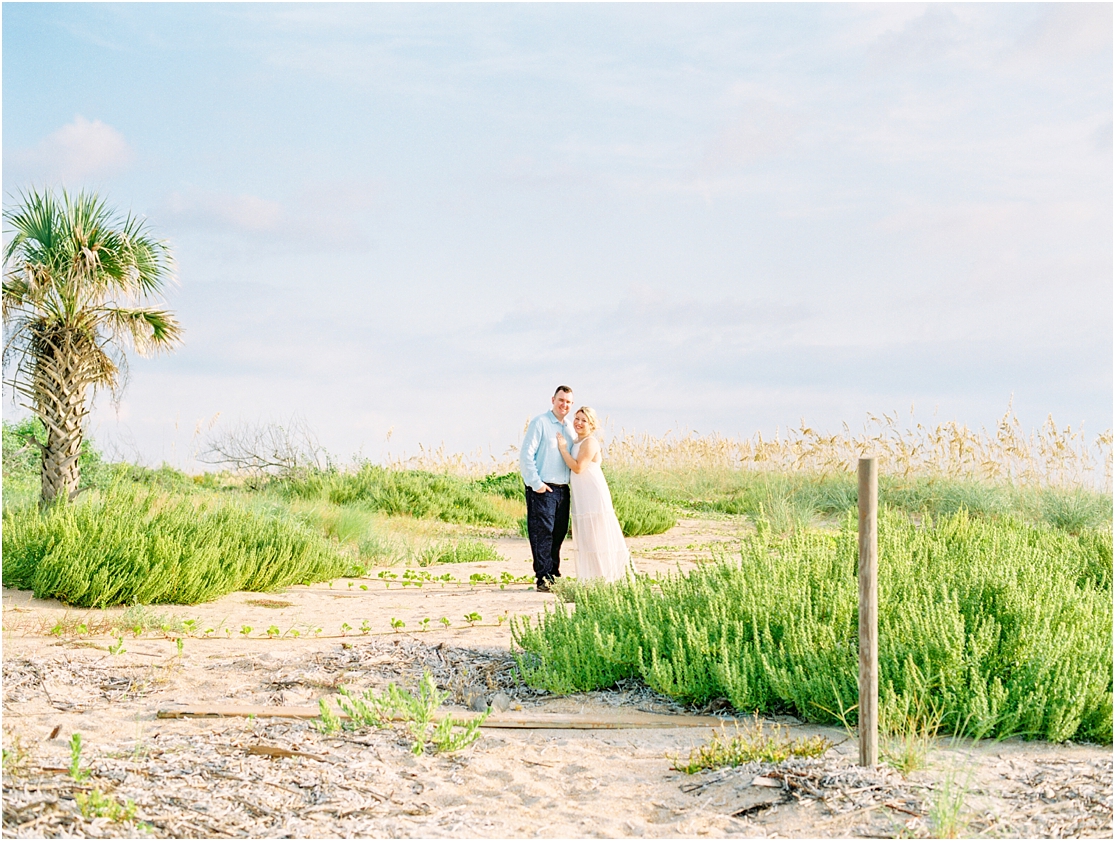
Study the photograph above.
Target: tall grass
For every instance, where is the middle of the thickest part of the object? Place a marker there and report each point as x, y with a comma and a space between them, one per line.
1006, 625
1049, 456
134, 545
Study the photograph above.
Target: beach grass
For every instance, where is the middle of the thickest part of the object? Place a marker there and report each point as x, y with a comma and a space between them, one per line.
135, 545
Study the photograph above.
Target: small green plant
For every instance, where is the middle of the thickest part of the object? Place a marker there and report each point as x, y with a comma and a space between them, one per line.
273, 631
15, 756
77, 773
445, 621
245, 630
472, 618
907, 731
97, 804
189, 625
345, 628
425, 623
57, 630
751, 743
328, 721
450, 735
295, 633
82, 628
117, 647
947, 806
397, 624
179, 645
414, 710
365, 627
208, 632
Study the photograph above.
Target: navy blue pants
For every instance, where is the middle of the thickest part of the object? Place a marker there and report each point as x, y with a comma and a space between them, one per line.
547, 525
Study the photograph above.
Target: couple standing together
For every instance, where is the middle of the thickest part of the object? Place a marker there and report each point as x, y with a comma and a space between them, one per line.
564, 485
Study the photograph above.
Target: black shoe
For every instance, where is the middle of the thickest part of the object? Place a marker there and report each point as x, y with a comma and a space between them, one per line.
542, 587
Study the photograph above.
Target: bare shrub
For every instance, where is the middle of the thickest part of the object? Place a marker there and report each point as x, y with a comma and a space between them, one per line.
258, 450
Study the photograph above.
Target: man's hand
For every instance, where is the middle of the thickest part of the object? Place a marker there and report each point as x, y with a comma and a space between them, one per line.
545, 489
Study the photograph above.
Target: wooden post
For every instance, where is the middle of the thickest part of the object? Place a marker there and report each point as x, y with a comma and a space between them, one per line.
868, 613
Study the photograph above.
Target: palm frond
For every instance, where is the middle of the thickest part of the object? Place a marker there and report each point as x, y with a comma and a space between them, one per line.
150, 330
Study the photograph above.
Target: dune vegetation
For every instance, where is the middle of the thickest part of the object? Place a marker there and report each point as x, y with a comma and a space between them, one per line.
140, 535
991, 627
995, 582
995, 579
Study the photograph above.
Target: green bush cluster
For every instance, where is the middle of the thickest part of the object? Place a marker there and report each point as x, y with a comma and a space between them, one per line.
411, 492
461, 551
639, 513
134, 545
506, 485
22, 461
1006, 625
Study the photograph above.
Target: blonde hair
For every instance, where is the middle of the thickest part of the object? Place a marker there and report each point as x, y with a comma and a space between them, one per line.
590, 417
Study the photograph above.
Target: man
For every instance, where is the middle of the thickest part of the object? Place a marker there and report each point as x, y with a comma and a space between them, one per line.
547, 487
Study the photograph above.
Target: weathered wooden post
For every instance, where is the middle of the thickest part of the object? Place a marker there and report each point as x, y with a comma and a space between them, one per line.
868, 613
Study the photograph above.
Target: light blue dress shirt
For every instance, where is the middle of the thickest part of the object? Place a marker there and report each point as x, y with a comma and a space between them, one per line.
540, 460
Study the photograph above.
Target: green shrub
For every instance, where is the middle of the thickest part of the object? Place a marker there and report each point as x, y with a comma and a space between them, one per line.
506, 485
131, 545
400, 492
22, 461
463, 551
165, 477
1007, 625
1074, 509
639, 514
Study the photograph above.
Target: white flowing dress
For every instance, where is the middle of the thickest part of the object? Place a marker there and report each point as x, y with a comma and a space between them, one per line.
598, 544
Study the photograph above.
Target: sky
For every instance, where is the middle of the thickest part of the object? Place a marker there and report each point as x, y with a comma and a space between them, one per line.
405, 225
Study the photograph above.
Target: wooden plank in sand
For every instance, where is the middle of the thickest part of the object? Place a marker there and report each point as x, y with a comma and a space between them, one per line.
506, 720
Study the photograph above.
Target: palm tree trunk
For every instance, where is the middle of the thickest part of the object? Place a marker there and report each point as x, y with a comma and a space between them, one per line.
61, 380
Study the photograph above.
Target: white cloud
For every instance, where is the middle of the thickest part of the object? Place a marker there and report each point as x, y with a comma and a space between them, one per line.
760, 131
79, 150
243, 212
322, 212
1069, 32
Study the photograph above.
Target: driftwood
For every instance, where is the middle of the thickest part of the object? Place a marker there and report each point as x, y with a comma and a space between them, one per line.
507, 720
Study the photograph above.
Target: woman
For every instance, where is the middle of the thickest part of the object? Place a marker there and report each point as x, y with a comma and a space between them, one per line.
601, 552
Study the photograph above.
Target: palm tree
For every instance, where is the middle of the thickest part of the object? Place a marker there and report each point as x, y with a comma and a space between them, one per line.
76, 276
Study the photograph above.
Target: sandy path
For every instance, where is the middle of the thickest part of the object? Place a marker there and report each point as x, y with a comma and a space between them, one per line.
197, 778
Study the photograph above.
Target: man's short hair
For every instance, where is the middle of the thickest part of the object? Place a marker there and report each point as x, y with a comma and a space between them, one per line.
562, 388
